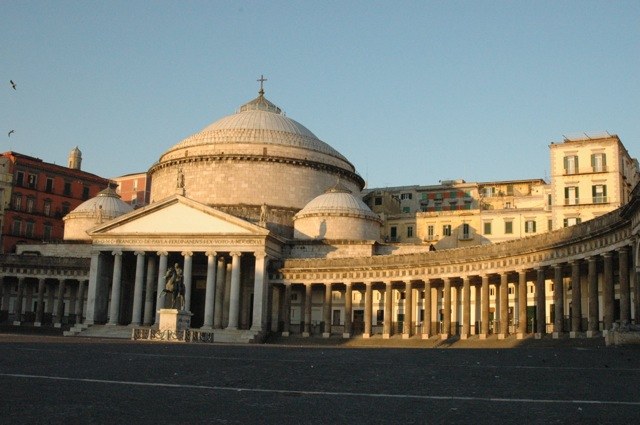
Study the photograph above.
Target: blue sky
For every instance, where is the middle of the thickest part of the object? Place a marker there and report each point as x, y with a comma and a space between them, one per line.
411, 92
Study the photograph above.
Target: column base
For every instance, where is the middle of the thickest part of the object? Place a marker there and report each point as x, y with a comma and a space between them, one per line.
537, 335
17, 323
305, 334
464, 336
502, 336
557, 335
346, 335
592, 334
285, 334
519, 335
574, 334
406, 336
386, 336
605, 332
207, 328
326, 334
366, 336
426, 336
444, 336
58, 325
482, 336
37, 324
134, 325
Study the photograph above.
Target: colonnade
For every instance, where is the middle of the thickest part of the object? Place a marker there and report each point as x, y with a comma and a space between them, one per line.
223, 297
19, 306
576, 297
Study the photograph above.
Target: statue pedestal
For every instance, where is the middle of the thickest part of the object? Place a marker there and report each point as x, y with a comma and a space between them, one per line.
174, 320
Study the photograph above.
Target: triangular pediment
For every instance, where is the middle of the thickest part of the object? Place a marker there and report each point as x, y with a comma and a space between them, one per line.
177, 216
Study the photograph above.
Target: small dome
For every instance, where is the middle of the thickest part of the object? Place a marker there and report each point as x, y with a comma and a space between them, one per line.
108, 201
336, 214
337, 200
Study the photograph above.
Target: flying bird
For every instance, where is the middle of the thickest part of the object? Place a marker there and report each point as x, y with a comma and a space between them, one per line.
13, 84
12, 131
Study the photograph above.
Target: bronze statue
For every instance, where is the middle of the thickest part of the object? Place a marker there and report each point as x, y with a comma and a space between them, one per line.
174, 286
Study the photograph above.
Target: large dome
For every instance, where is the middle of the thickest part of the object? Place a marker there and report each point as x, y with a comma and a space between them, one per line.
257, 156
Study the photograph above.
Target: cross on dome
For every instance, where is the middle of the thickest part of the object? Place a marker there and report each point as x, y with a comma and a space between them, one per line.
262, 80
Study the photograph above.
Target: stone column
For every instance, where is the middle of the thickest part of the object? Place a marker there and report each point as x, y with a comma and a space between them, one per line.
541, 303
348, 309
149, 292
162, 271
307, 310
368, 308
259, 320
234, 298
558, 301
504, 306
80, 301
116, 283
576, 300
326, 311
625, 292
594, 314
40, 310
136, 319
484, 325
218, 308
426, 323
522, 304
408, 311
17, 307
92, 292
466, 308
446, 308
188, 267
60, 304
388, 310
210, 289
607, 291
286, 310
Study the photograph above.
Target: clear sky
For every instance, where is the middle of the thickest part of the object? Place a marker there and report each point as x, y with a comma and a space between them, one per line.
411, 92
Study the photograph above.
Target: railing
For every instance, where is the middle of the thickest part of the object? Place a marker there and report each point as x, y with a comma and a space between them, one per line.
188, 335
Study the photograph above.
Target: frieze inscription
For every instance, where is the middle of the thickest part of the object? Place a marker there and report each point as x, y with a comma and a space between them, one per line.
192, 241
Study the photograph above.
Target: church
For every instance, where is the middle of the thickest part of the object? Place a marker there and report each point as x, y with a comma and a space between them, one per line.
267, 224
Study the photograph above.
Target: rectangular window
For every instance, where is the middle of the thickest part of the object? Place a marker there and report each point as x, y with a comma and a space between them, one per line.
599, 193
530, 226
336, 317
393, 232
466, 231
599, 162
405, 196
19, 178
446, 230
67, 188
47, 208
571, 164
509, 190
489, 191
406, 209
85, 193
380, 317
29, 229
33, 181
423, 196
48, 230
549, 224
508, 227
49, 185
65, 208
30, 202
571, 221
409, 231
487, 228
430, 232
17, 202
377, 200
571, 195
16, 229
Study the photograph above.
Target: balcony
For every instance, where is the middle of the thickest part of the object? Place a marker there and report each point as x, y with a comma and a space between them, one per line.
571, 201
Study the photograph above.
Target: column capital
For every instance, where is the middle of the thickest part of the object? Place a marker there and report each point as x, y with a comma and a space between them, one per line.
235, 253
558, 266
187, 253
162, 253
211, 253
624, 249
116, 252
139, 253
607, 254
260, 254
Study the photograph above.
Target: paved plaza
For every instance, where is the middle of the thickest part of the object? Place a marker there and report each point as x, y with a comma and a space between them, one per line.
52, 380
